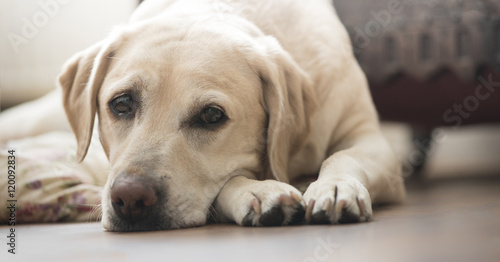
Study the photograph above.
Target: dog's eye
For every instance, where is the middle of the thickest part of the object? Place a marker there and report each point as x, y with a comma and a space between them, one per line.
212, 115
122, 105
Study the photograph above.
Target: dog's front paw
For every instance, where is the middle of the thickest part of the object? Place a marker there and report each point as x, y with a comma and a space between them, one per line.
337, 201
274, 204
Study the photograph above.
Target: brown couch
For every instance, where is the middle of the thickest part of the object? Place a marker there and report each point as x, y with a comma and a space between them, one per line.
430, 63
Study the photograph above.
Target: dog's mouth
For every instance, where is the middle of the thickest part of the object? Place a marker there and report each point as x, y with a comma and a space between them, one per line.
117, 224
156, 220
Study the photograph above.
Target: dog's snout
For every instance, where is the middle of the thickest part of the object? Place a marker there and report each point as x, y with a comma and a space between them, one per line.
133, 198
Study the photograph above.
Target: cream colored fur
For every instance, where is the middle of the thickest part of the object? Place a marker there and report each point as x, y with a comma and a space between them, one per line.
297, 101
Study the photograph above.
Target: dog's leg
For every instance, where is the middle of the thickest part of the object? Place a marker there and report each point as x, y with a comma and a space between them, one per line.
350, 178
33, 118
250, 202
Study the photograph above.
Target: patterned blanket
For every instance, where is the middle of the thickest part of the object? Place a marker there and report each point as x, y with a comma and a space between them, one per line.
48, 185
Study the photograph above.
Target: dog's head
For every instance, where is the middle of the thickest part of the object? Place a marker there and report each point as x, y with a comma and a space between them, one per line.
181, 110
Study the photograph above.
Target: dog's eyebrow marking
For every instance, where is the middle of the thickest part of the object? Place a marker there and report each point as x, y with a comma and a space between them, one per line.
132, 83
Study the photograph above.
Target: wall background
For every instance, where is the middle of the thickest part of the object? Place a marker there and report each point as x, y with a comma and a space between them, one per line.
37, 37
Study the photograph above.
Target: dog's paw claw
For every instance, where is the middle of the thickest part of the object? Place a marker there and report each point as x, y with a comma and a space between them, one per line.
345, 202
288, 209
322, 216
348, 217
248, 220
255, 210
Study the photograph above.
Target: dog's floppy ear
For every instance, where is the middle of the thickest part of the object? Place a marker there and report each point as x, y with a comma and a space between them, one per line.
80, 80
289, 101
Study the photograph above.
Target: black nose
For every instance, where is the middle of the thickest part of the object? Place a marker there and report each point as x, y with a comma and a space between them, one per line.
132, 198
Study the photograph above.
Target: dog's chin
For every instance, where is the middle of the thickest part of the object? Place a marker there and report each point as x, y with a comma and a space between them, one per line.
112, 223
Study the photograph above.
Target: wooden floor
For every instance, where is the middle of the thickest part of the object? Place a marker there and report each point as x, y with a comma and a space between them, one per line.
452, 214
445, 220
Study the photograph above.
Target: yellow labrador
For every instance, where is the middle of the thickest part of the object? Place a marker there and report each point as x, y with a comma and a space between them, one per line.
213, 107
